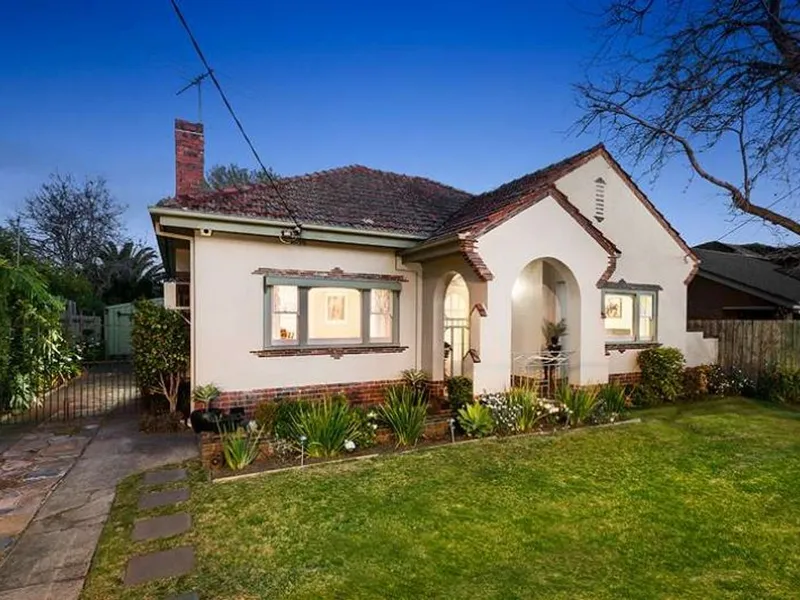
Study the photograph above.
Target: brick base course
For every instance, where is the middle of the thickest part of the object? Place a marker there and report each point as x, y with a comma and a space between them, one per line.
625, 378
363, 393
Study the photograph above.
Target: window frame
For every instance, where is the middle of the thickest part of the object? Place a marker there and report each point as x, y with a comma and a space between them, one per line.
304, 284
636, 294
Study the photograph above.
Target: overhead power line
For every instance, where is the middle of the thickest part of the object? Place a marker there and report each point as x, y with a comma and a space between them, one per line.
226, 102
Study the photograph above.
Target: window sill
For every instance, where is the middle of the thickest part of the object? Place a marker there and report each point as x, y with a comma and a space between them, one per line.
332, 351
623, 346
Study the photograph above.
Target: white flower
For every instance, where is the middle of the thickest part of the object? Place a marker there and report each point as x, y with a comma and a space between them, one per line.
349, 445
252, 426
374, 426
372, 414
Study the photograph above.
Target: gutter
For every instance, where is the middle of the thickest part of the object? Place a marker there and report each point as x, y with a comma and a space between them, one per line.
269, 227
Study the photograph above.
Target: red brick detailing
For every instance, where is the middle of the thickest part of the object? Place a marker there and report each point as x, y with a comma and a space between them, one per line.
359, 393
468, 248
612, 266
625, 378
692, 273
189, 157
623, 346
335, 273
334, 351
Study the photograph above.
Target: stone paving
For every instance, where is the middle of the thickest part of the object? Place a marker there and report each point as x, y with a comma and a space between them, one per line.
51, 557
30, 468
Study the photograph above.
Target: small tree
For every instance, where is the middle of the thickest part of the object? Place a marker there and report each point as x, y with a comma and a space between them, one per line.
160, 342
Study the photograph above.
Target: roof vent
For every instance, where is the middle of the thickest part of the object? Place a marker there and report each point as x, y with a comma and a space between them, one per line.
599, 199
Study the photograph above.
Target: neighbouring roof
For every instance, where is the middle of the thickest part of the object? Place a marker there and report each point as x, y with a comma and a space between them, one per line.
751, 272
368, 199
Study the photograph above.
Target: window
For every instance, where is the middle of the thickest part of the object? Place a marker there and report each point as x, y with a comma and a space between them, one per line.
284, 314
328, 312
629, 316
334, 316
381, 312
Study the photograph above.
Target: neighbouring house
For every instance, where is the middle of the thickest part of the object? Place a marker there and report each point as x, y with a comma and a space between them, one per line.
750, 281
341, 279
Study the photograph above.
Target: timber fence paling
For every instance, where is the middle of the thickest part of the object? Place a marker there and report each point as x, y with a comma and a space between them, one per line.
753, 345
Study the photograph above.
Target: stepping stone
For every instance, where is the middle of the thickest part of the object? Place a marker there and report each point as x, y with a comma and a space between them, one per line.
161, 477
161, 527
159, 565
187, 596
5, 542
155, 499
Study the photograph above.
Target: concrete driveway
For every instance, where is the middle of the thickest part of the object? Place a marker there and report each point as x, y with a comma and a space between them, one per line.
52, 556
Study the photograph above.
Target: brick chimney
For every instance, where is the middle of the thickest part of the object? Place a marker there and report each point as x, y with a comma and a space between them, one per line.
189, 156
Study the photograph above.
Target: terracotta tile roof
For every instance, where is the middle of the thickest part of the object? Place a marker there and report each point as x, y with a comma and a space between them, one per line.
353, 196
479, 211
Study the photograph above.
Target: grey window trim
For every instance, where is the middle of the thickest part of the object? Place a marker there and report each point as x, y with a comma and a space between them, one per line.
303, 286
648, 290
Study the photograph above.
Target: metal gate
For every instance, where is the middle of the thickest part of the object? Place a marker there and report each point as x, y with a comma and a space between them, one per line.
456, 346
101, 387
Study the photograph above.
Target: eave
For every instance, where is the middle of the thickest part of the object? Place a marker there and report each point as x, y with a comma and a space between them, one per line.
191, 220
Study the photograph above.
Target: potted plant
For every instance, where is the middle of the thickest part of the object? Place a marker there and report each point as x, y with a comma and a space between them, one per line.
552, 333
205, 418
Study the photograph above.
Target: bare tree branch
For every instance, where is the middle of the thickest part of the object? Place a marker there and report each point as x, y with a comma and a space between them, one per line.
684, 78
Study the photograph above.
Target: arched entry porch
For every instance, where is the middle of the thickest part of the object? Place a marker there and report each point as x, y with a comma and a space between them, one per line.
545, 293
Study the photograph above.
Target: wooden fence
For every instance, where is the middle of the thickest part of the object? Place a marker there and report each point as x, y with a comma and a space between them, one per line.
753, 345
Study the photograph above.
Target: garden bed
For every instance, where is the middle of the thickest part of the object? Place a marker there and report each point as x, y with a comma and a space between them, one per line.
437, 435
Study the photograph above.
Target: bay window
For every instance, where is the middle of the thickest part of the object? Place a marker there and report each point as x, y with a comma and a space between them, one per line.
630, 316
308, 312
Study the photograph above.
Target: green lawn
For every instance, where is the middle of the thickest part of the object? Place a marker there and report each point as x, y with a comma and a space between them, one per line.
698, 501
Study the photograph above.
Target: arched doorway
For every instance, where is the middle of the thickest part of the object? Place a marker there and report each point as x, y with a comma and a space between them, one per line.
456, 326
545, 293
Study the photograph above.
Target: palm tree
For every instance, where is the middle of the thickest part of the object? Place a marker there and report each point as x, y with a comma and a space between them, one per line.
127, 272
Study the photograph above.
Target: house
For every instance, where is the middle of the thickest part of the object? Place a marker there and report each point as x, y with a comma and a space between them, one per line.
751, 281
341, 279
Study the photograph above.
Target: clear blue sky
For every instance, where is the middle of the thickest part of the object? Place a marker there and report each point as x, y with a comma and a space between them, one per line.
471, 94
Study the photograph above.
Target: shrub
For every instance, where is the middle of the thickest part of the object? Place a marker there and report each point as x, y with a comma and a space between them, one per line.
365, 426
240, 447
780, 384
285, 416
505, 410
581, 403
476, 420
459, 391
531, 411
404, 414
728, 382
696, 382
326, 426
160, 343
416, 379
266, 415
206, 393
662, 376
613, 399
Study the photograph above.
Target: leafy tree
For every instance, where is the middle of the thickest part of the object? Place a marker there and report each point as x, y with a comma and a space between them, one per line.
696, 78
223, 176
160, 343
68, 223
126, 272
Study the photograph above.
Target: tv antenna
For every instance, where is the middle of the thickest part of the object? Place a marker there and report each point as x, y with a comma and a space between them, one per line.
197, 81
